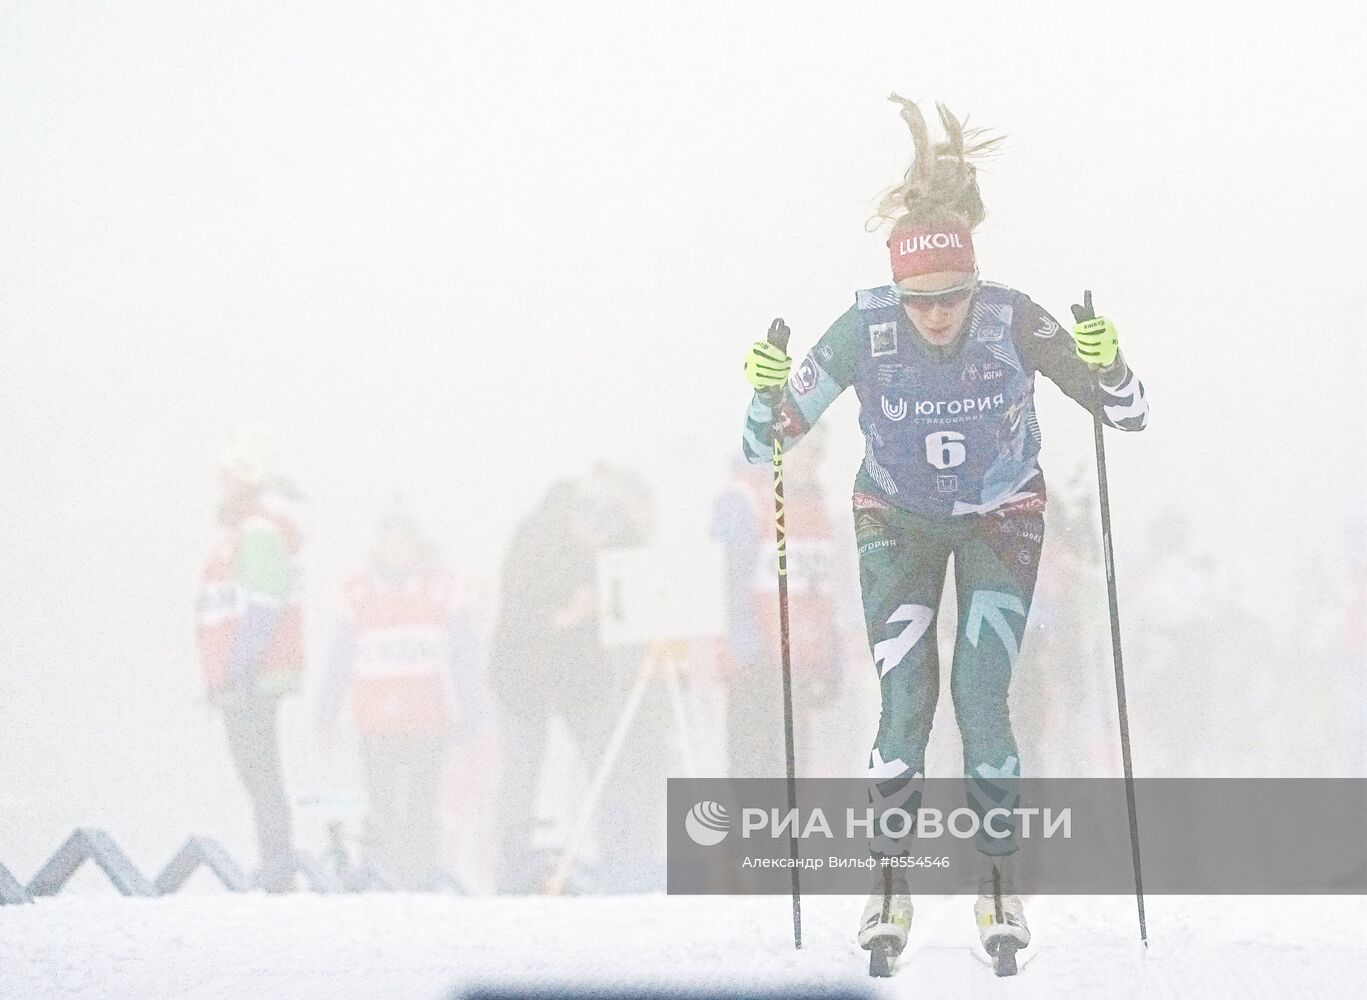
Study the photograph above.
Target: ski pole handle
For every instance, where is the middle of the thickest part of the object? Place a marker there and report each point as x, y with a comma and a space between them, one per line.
776, 337
1085, 311
778, 334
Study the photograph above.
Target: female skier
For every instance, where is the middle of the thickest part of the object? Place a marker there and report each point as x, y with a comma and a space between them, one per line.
944, 367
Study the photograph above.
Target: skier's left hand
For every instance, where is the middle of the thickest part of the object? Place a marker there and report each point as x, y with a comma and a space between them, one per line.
767, 366
1094, 337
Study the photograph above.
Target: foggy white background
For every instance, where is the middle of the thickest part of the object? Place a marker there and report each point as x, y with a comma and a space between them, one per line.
458, 250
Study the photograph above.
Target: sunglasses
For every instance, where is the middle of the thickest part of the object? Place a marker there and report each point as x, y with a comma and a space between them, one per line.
945, 297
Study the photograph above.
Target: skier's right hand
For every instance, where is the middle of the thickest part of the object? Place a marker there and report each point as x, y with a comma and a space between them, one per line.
766, 366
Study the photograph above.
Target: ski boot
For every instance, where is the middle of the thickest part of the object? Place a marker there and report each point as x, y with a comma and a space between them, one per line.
1000, 917
886, 922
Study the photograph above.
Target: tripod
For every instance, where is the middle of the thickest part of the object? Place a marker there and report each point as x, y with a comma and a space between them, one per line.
662, 660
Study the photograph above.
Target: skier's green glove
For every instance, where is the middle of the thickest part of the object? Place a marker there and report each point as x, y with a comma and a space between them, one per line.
1094, 336
767, 366
1096, 341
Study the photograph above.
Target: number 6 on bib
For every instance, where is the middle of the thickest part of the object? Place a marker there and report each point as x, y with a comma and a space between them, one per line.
945, 450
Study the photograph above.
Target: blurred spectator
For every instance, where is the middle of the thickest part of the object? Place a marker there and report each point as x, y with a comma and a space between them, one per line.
743, 522
406, 656
548, 663
620, 503
544, 664
250, 632
630, 838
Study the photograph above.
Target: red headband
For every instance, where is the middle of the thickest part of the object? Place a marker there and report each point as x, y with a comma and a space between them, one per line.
919, 249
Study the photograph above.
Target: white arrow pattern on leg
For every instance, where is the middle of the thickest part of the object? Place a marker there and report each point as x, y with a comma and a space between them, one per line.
882, 770
890, 652
1009, 769
883, 843
989, 606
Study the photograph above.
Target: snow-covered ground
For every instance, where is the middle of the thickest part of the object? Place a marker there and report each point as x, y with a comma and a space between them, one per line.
302, 947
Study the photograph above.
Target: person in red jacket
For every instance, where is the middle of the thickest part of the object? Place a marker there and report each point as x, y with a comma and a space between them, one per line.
407, 658
250, 632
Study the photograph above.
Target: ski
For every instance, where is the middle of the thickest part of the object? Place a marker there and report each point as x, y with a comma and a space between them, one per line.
1004, 957
1000, 943
884, 948
1003, 950
881, 958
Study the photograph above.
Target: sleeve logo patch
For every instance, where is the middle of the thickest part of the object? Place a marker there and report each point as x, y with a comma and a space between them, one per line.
804, 381
882, 339
1003, 312
1046, 329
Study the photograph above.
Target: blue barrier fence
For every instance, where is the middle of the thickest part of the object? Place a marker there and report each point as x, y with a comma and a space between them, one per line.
95, 845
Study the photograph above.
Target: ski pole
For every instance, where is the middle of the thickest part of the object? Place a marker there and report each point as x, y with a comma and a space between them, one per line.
1081, 313
778, 336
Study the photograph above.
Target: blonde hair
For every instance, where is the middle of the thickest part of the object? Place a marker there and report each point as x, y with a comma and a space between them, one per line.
941, 183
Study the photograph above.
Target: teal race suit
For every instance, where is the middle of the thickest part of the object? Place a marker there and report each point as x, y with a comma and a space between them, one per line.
950, 468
